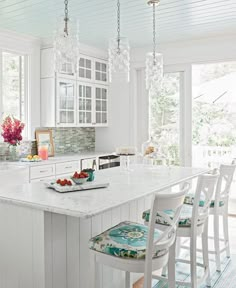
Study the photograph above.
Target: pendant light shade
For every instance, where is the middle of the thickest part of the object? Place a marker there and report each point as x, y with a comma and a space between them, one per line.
154, 71
66, 43
154, 60
119, 53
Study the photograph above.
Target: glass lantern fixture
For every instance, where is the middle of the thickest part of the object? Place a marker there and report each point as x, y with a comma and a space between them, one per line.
154, 60
66, 44
119, 53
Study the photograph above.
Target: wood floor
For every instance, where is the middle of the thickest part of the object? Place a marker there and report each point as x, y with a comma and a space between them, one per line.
232, 231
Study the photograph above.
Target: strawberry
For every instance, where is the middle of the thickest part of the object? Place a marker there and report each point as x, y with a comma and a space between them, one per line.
63, 183
58, 181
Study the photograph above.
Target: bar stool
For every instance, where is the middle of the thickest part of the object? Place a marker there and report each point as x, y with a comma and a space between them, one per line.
219, 207
133, 247
193, 222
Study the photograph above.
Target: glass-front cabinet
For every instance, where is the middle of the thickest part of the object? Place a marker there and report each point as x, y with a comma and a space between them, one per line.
84, 111
101, 74
82, 98
66, 102
85, 69
101, 104
92, 104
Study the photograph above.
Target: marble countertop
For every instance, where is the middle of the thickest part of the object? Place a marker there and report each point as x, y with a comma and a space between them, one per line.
124, 187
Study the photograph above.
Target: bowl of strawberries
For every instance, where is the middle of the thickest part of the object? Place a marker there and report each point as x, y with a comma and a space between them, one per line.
80, 178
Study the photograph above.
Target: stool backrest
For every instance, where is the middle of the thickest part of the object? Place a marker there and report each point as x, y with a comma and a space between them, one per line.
224, 183
165, 201
203, 194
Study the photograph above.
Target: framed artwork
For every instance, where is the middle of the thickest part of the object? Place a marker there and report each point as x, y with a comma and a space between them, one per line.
44, 138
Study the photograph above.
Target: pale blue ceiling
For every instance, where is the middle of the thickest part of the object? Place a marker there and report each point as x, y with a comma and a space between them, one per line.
177, 19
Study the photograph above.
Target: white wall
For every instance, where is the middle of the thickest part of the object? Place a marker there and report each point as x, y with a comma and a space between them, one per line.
31, 46
127, 129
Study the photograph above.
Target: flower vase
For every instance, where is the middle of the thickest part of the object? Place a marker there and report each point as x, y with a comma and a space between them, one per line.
13, 152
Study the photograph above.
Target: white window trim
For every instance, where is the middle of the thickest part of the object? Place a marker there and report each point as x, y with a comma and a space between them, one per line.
26, 90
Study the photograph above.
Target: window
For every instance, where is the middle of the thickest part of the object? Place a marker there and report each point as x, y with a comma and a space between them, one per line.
164, 117
214, 113
13, 95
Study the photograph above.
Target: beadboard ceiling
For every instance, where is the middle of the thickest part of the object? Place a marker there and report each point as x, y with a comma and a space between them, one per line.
177, 19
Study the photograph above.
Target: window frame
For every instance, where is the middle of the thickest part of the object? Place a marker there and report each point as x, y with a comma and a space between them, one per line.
26, 89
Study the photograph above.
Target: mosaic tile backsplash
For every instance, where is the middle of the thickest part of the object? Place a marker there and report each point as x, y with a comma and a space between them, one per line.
66, 140
73, 140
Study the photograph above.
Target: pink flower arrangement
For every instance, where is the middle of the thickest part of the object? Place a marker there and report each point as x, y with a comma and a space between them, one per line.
11, 130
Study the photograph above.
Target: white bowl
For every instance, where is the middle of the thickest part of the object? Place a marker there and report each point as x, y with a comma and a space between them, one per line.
79, 180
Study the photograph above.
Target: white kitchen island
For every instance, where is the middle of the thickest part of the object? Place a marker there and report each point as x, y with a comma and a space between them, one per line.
44, 234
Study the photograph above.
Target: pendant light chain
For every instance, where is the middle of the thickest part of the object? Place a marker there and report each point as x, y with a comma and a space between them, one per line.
154, 33
66, 19
118, 26
154, 60
118, 52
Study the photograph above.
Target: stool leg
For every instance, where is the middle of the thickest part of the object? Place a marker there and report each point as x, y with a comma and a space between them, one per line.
193, 259
217, 241
171, 267
93, 271
178, 247
226, 232
127, 280
205, 254
164, 271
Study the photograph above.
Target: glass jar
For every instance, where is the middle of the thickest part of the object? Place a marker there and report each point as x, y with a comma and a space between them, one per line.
149, 148
43, 152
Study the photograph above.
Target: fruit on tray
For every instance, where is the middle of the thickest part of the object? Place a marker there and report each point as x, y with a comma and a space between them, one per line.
33, 157
36, 157
82, 174
64, 182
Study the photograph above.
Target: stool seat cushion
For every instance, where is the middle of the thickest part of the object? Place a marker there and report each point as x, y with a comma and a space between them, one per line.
126, 240
184, 220
189, 199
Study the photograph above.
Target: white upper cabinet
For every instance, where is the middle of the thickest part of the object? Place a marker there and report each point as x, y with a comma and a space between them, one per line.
85, 71
66, 102
101, 98
74, 100
85, 104
101, 75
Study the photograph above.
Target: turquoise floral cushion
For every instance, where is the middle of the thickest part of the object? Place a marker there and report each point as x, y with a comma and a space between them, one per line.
189, 199
126, 240
184, 220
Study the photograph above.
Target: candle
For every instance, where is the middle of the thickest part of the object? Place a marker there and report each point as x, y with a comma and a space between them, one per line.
43, 152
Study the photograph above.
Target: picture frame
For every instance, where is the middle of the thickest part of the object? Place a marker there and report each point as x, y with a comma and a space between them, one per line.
44, 137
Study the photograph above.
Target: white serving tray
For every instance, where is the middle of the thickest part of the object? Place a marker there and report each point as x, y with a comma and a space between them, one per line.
30, 160
75, 187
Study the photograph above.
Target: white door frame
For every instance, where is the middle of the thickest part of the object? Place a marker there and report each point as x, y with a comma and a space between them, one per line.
185, 112
185, 104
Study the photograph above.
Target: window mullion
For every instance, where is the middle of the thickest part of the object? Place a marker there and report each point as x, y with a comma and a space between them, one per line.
1, 84
20, 87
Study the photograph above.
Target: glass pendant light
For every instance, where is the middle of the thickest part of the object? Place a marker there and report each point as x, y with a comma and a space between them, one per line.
119, 53
66, 44
154, 60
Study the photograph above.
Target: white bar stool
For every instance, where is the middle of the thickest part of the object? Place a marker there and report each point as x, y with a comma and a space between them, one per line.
219, 207
193, 222
134, 247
